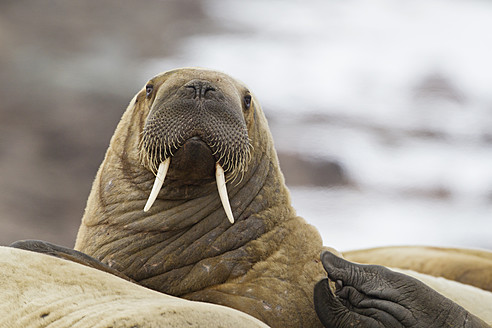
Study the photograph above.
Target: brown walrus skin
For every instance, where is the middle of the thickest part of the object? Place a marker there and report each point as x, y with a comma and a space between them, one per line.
265, 264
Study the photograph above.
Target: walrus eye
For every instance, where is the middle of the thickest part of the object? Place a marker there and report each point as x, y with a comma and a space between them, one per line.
149, 88
247, 101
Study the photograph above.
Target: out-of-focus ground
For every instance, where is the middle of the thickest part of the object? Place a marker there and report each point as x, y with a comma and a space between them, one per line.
382, 120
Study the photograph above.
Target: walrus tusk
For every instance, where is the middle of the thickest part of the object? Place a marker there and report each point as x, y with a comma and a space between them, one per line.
159, 180
221, 185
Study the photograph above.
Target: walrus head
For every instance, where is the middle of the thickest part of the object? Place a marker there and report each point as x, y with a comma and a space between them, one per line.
184, 135
200, 122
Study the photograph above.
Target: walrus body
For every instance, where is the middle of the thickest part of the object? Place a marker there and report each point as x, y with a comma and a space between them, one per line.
265, 263
41, 291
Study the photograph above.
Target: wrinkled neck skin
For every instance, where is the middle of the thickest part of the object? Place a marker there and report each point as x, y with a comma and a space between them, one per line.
185, 246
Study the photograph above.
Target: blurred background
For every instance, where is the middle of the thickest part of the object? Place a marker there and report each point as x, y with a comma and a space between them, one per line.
381, 111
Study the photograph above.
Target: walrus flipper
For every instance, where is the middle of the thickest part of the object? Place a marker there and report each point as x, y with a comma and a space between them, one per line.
374, 296
66, 253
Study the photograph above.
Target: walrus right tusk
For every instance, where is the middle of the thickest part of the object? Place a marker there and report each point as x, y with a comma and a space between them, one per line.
221, 185
159, 180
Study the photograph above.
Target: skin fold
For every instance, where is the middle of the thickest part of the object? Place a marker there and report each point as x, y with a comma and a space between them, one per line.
65, 253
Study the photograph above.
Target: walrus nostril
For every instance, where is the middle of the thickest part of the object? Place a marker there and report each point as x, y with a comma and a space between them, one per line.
207, 89
201, 88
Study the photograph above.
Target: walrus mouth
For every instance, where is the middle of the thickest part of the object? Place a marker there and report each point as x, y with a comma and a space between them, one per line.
221, 186
219, 177
236, 167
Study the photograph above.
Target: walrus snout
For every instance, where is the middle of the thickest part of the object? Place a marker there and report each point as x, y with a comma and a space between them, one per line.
193, 130
198, 108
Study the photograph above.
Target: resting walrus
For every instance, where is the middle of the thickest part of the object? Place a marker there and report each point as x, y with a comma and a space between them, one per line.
159, 211
265, 263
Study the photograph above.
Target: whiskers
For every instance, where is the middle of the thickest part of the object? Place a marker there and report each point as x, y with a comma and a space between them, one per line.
233, 157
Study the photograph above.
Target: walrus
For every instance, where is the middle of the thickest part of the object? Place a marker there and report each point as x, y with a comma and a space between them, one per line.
190, 201
160, 213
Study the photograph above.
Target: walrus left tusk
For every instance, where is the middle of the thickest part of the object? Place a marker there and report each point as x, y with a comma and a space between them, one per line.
159, 180
221, 185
